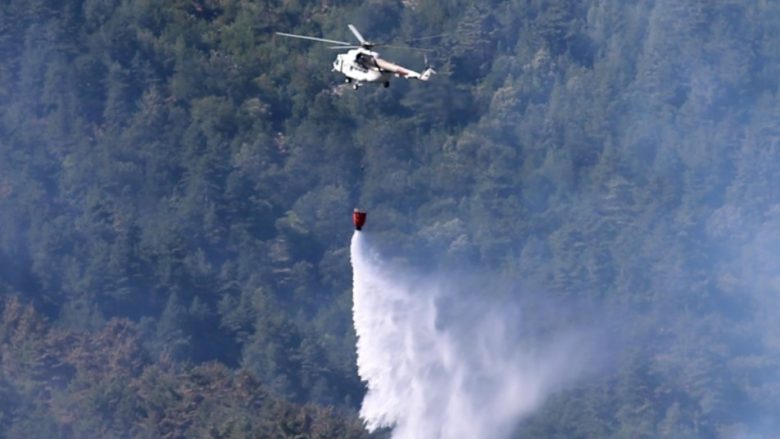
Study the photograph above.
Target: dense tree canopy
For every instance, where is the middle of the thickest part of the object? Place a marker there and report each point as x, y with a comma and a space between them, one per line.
175, 189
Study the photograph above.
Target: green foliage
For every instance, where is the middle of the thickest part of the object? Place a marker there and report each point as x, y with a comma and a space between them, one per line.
59, 383
174, 166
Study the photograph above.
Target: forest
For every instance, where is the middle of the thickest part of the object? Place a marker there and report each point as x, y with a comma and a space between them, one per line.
176, 184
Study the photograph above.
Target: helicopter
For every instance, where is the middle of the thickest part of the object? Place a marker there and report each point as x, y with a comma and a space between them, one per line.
363, 65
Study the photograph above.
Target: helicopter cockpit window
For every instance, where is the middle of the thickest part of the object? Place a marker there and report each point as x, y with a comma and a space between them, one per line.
361, 60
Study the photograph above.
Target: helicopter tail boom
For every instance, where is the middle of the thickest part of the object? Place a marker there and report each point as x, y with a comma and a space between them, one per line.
403, 72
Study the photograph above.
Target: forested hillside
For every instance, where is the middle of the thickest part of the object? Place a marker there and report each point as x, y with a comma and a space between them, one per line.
176, 185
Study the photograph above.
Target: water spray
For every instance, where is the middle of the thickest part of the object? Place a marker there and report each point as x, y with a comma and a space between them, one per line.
469, 374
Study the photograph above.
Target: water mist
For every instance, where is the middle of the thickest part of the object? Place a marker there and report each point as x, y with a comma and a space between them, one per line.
437, 367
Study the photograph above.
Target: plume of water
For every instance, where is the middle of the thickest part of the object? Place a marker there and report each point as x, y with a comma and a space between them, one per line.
438, 368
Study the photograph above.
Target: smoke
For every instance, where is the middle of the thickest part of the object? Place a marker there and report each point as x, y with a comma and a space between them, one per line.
441, 365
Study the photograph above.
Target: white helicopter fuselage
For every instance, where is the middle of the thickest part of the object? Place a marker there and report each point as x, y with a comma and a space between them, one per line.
360, 65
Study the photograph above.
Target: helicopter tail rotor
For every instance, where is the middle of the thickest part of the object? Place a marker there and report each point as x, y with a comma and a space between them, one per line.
428, 72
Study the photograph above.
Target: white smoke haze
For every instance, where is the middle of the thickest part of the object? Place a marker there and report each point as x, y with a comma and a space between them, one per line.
439, 368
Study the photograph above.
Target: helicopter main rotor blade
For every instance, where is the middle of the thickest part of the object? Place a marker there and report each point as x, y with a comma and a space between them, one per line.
357, 34
395, 46
321, 40
343, 47
466, 34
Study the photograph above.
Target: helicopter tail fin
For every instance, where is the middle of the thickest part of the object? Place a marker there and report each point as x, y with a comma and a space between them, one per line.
427, 74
